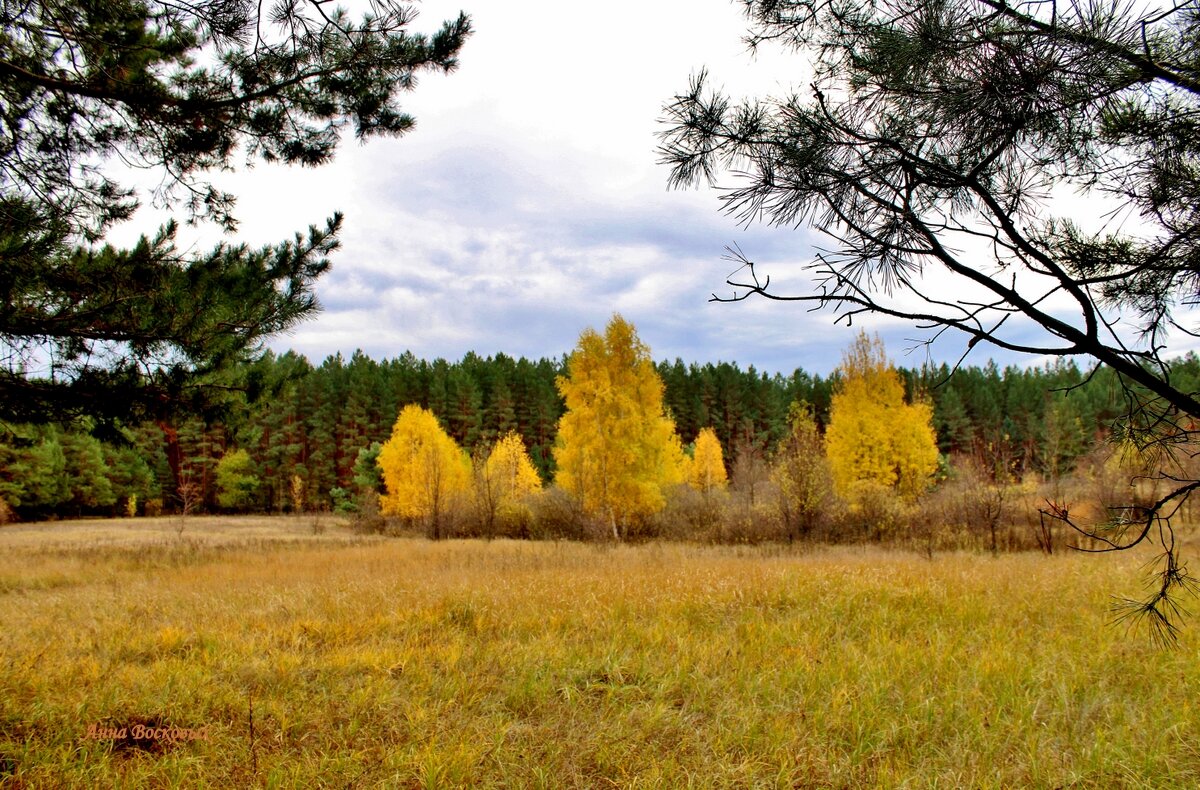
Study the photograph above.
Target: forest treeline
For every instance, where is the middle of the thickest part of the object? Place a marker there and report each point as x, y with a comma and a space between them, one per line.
302, 435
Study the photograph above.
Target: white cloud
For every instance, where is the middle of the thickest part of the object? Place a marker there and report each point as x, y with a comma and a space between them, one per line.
527, 204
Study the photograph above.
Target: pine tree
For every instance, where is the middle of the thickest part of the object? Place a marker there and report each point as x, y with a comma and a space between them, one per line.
501, 416
86, 472
356, 418
326, 391
463, 416
132, 475
181, 90
34, 474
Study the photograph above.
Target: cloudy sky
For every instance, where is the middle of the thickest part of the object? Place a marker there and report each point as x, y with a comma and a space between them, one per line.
527, 204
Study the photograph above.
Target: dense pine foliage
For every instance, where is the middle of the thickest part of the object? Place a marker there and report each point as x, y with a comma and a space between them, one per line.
179, 91
309, 430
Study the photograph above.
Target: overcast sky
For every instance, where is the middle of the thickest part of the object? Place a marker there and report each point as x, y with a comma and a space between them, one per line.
527, 204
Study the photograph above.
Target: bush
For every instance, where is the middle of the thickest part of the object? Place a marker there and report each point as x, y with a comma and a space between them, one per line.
690, 515
514, 519
751, 515
972, 507
751, 523
368, 520
874, 512
557, 515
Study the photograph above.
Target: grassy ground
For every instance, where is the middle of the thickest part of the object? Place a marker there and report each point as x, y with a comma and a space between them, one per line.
330, 660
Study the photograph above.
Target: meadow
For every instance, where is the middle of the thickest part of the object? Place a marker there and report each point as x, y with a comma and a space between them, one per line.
292, 653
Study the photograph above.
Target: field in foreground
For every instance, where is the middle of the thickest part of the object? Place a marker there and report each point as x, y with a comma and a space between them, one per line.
330, 660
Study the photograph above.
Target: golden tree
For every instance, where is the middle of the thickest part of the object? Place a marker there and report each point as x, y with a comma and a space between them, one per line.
504, 481
874, 439
707, 470
422, 469
616, 450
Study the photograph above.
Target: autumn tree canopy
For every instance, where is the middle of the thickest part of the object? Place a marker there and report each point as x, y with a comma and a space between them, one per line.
875, 439
504, 480
422, 469
509, 466
706, 472
616, 449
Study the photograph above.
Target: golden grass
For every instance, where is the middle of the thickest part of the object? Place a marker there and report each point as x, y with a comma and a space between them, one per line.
404, 663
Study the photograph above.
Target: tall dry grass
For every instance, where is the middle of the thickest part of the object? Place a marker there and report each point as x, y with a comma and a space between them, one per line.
406, 663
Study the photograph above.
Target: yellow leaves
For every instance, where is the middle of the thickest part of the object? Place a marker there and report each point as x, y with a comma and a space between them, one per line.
507, 481
509, 467
422, 467
707, 469
915, 445
874, 439
616, 450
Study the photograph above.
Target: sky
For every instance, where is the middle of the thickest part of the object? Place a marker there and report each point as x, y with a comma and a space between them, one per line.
527, 204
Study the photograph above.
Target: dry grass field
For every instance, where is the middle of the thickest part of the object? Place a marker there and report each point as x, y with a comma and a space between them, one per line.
287, 656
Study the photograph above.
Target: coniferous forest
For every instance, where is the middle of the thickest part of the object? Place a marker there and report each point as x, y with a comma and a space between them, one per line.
296, 436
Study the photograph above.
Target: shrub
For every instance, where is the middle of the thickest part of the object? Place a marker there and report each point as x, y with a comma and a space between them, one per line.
758, 523
874, 512
691, 515
368, 520
557, 515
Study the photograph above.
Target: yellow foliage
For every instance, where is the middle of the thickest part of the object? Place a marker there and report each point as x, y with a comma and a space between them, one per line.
509, 466
875, 439
707, 469
421, 466
297, 486
616, 450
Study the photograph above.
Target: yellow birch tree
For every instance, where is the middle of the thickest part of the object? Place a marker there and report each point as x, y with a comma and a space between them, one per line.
616, 450
422, 469
874, 439
707, 470
504, 481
